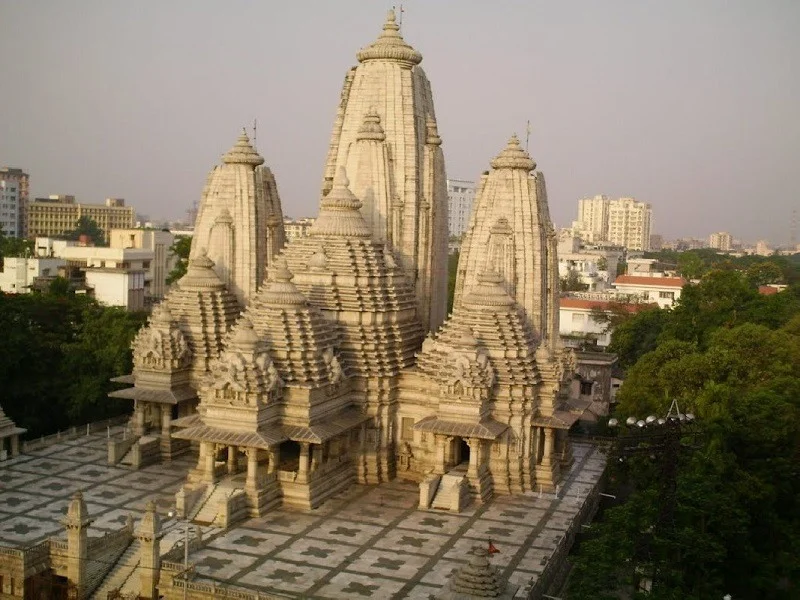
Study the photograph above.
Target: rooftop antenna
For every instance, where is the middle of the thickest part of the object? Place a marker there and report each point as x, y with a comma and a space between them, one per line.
527, 134
255, 134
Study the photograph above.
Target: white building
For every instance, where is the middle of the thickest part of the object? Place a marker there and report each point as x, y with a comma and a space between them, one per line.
460, 196
596, 267
629, 223
592, 223
663, 291
116, 276
721, 241
297, 228
18, 274
159, 243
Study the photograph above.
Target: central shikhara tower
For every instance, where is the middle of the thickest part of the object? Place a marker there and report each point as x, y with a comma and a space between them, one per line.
298, 370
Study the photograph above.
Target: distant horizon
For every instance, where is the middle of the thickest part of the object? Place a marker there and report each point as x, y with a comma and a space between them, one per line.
661, 102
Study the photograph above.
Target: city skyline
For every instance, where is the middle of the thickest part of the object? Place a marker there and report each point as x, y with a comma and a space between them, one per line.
664, 103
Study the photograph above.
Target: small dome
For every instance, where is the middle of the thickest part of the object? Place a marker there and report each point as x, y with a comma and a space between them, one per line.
318, 261
488, 292
279, 289
243, 152
245, 337
200, 273
339, 214
513, 157
371, 128
390, 45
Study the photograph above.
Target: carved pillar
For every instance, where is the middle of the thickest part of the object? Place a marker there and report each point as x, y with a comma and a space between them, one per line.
14, 445
149, 535
232, 455
252, 468
315, 452
302, 474
549, 442
139, 419
474, 449
209, 462
77, 524
271, 465
439, 464
166, 420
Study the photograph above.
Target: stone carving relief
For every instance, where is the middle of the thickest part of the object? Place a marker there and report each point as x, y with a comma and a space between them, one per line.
161, 347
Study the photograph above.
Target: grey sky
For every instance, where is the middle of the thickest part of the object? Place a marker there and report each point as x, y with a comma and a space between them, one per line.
691, 105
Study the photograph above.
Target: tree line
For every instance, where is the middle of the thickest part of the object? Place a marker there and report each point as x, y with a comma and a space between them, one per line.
731, 356
58, 352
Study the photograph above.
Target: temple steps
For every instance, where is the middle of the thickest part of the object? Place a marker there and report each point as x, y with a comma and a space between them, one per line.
121, 574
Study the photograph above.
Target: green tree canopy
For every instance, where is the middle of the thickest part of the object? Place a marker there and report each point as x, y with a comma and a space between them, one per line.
180, 249
88, 227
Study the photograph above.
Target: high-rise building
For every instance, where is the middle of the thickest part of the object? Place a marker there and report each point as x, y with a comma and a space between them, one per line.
58, 214
721, 240
460, 195
13, 199
592, 220
629, 223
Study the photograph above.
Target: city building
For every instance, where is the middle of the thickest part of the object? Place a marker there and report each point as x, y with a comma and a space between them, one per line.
159, 243
14, 190
333, 378
576, 316
592, 223
663, 291
721, 241
629, 223
58, 214
460, 196
296, 228
19, 274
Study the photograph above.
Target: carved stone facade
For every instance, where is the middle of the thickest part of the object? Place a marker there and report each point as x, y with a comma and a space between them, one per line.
385, 136
327, 378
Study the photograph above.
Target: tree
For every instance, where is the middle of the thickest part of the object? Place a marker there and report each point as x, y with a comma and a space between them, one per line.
88, 227
764, 273
572, 282
180, 248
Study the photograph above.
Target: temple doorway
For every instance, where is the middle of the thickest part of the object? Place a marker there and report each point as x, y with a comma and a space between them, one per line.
459, 452
463, 452
289, 456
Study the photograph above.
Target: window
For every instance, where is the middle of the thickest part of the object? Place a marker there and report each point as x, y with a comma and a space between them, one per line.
586, 388
667, 295
407, 429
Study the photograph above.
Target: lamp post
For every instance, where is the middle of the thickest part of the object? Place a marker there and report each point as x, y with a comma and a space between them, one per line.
658, 437
186, 525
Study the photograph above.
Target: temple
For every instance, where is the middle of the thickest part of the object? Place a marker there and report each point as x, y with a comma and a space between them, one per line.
318, 377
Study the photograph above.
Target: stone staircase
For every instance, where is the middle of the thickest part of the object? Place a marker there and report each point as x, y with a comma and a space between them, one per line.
121, 574
448, 492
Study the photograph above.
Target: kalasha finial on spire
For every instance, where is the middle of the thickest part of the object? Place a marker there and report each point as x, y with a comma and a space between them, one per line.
390, 45
513, 157
243, 152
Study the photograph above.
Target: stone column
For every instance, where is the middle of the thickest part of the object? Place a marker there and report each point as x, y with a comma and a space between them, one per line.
210, 460
232, 455
474, 449
77, 524
166, 420
271, 465
149, 535
549, 441
139, 418
439, 464
14, 445
302, 474
252, 468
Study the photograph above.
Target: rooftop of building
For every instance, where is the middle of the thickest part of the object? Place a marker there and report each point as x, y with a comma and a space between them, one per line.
650, 281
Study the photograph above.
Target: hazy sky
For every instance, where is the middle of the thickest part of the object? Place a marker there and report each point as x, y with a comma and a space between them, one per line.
692, 105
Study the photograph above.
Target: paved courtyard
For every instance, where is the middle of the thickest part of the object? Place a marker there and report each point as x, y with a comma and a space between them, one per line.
370, 541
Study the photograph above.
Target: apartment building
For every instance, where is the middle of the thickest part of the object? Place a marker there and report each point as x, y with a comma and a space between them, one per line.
58, 214
460, 196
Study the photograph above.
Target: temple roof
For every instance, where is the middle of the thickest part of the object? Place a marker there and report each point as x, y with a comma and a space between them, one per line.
338, 212
8, 427
200, 274
487, 429
500, 329
390, 45
243, 152
301, 341
513, 157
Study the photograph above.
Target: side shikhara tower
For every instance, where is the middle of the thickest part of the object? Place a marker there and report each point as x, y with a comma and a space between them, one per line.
385, 136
